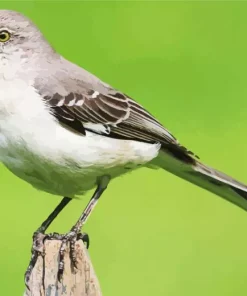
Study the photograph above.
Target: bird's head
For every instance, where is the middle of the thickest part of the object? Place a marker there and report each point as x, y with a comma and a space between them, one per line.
17, 33
20, 41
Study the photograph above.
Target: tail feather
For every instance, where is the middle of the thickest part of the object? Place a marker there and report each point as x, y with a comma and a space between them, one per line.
205, 177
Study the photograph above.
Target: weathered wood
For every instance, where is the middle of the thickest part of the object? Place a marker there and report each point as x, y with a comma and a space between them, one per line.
79, 282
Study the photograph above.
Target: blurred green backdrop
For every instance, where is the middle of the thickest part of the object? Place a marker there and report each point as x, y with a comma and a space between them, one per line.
152, 233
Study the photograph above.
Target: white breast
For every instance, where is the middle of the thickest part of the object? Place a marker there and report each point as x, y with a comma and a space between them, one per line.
42, 152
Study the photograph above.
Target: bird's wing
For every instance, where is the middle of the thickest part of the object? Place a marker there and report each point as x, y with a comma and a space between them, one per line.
82, 106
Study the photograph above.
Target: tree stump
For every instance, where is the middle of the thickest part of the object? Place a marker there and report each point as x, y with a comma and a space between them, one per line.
79, 282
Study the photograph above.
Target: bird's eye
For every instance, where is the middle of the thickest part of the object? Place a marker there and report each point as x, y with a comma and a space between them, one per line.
4, 36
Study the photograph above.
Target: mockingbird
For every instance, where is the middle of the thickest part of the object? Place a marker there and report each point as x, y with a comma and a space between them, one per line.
65, 131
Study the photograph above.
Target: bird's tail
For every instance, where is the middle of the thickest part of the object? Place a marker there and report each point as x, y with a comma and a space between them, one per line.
205, 177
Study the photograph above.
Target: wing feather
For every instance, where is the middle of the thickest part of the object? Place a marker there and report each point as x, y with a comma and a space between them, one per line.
112, 114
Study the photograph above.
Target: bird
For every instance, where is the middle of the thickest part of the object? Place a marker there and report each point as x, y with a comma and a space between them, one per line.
65, 131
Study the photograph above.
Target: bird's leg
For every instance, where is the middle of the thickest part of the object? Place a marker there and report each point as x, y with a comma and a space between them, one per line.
39, 237
75, 233
53, 215
71, 237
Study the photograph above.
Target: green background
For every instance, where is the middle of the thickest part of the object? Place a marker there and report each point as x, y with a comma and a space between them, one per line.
151, 233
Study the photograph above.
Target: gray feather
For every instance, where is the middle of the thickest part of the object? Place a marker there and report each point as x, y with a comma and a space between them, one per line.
73, 94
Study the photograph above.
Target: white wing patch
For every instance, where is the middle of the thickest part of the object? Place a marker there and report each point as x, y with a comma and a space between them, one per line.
95, 94
71, 103
79, 103
97, 127
60, 103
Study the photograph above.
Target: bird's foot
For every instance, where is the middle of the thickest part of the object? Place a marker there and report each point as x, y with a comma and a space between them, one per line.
39, 250
71, 237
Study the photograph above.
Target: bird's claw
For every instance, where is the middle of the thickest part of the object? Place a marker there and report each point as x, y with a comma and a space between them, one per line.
71, 237
39, 250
